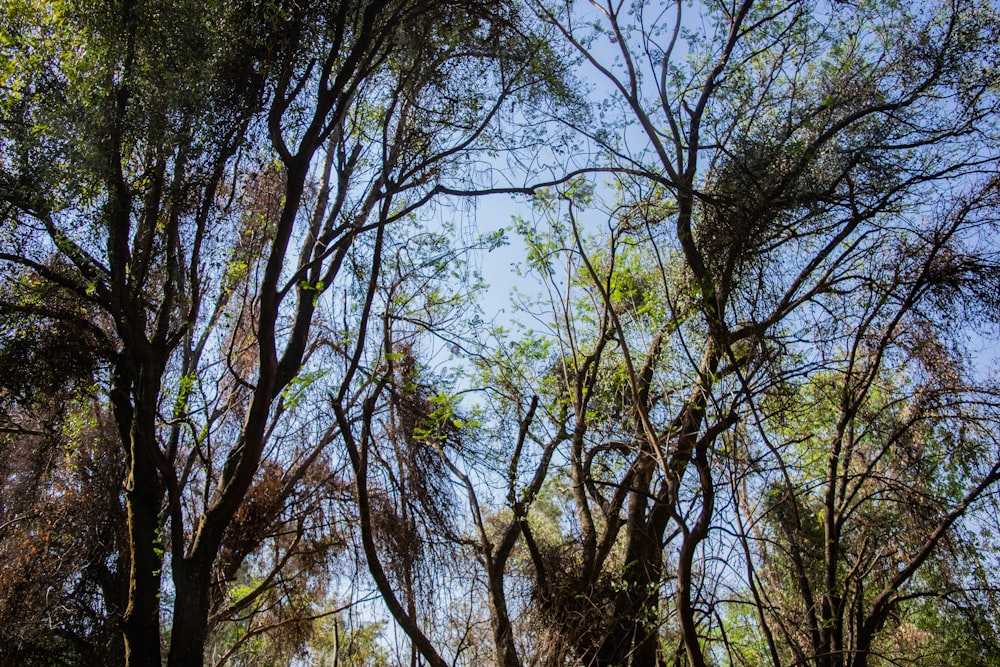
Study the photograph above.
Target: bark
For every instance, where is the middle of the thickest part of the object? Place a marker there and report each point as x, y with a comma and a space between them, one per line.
685, 566
191, 607
632, 639
143, 499
141, 620
503, 632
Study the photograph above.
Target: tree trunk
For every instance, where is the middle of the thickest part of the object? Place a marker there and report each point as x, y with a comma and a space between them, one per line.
503, 633
136, 423
142, 615
632, 639
190, 627
685, 564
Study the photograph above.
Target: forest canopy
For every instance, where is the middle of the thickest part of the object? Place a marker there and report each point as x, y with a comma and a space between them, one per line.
736, 404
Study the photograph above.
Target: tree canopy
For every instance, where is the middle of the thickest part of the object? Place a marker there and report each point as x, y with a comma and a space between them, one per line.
257, 406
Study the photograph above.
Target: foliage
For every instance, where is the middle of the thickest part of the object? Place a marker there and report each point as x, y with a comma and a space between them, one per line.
255, 407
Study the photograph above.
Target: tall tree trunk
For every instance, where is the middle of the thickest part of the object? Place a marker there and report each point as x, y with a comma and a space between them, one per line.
503, 632
191, 606
632, 639
143, 498
133, 398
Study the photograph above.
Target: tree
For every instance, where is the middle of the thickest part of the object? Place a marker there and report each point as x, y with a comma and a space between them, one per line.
62, 535
767, 222
199, 175
219, 272
864, 501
